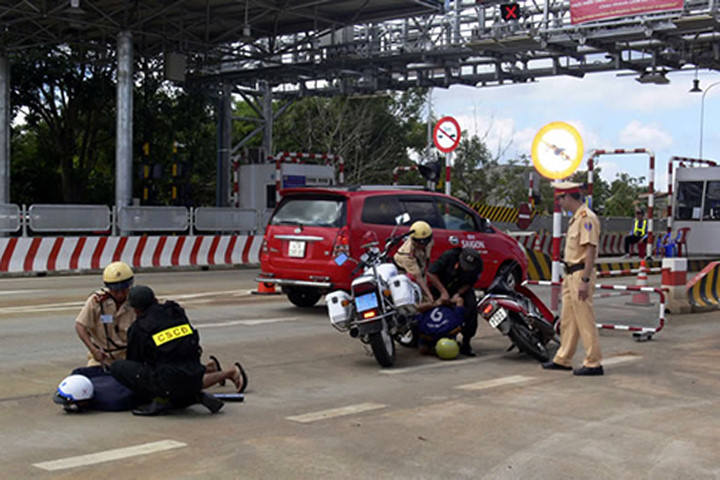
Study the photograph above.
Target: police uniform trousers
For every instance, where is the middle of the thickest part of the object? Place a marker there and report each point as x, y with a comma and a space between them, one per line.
470, 323
172, 381
577, 319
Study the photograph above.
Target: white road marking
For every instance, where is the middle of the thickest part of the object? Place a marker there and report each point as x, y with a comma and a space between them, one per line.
48, 307
259, 321
438, 364
109, 455
188, 296
496, 382
15, 292
621, 359
336, 412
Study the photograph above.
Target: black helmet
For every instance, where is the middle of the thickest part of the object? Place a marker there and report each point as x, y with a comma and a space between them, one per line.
141, 297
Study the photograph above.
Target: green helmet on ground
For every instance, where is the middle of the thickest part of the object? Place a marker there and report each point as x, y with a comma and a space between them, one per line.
447, 348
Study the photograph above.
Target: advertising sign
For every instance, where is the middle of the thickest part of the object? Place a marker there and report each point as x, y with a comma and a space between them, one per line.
590, 10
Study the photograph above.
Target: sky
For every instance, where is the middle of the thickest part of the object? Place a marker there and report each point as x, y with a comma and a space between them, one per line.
608, 110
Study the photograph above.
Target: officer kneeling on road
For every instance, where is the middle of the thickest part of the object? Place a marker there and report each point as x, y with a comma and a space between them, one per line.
163, 357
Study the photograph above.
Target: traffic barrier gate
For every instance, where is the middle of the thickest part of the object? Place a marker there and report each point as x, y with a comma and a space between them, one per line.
651, 185
641, 333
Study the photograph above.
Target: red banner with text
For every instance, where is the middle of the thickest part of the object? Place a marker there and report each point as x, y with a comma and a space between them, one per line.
590, 10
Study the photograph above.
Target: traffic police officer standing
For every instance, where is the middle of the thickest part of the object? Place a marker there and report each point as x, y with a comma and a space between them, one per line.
577, 317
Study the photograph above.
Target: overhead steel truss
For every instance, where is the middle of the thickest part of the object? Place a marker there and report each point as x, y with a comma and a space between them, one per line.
470, 44
328, 47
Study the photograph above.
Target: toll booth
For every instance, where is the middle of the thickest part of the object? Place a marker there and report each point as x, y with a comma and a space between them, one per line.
697, 206
257, 182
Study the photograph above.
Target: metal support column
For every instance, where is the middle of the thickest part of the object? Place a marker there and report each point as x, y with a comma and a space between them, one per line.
222, 176
4, 128
124, 122
267, 142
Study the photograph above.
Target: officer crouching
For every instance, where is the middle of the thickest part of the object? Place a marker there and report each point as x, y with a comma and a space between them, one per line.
163, 357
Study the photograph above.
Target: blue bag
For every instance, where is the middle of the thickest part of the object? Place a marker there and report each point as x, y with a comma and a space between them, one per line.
440, 322
109, 394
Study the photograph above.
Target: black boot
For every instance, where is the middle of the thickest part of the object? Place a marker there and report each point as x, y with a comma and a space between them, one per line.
158, 406
210, 402
466, 349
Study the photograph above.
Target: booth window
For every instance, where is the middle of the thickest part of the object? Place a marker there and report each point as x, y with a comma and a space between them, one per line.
689, 200
711, 210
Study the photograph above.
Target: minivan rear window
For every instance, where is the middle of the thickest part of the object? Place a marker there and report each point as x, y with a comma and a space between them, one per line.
383, 209
317, 212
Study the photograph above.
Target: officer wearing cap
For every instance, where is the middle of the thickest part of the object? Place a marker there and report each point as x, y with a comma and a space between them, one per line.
577, 316
163, 358
103, 322
452, 278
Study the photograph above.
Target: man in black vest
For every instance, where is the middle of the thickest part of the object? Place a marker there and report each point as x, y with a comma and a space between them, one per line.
163, 357
452, 278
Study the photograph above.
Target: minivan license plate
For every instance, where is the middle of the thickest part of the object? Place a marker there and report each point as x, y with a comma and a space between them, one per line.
296, 249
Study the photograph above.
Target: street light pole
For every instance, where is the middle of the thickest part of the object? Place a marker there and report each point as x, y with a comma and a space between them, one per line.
702, 116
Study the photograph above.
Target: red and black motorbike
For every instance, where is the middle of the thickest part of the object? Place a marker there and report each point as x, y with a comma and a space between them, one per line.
520, 315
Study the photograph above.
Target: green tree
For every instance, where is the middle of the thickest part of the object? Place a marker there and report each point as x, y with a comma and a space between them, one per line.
623, 195
372, 134
474, 170
67, 95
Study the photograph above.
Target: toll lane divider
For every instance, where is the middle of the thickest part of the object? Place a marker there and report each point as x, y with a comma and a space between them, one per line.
539, 265
622, 288
703, 290
609, 244
55, 254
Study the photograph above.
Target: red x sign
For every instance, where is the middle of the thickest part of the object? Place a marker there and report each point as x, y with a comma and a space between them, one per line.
510, 11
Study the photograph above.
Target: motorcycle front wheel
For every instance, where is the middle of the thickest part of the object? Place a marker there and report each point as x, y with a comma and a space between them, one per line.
528, 342
383, 348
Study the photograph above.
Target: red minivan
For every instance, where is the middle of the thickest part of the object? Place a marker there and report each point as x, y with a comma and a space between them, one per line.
311, 226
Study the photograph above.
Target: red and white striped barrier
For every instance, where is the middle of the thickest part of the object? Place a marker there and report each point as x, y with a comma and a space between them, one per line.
402, 168
52, 254
651, 183
632, 271
673, 278
622, 288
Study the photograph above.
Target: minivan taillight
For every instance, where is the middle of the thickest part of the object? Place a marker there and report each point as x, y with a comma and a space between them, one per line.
264, 249
342, 242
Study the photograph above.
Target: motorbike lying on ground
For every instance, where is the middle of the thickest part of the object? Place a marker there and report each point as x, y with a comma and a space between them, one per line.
380, 308
520, 315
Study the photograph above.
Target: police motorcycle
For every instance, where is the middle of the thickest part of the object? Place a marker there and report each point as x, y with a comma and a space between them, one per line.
380, 308
520, 315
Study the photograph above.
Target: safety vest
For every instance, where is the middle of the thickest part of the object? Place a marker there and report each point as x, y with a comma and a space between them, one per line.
639, 227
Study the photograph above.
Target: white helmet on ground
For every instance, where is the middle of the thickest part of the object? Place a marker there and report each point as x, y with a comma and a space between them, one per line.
74, 392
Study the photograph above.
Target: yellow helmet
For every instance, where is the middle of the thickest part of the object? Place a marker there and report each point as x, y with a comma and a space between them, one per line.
118, 276
447, 348
421, 231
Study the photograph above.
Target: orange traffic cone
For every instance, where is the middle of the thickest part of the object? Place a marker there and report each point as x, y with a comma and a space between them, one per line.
265, 289
642, 298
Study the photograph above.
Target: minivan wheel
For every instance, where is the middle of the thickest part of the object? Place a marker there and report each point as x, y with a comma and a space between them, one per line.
512, 278
303, 297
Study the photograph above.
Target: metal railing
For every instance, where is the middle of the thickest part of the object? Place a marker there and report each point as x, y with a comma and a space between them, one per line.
103, 220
